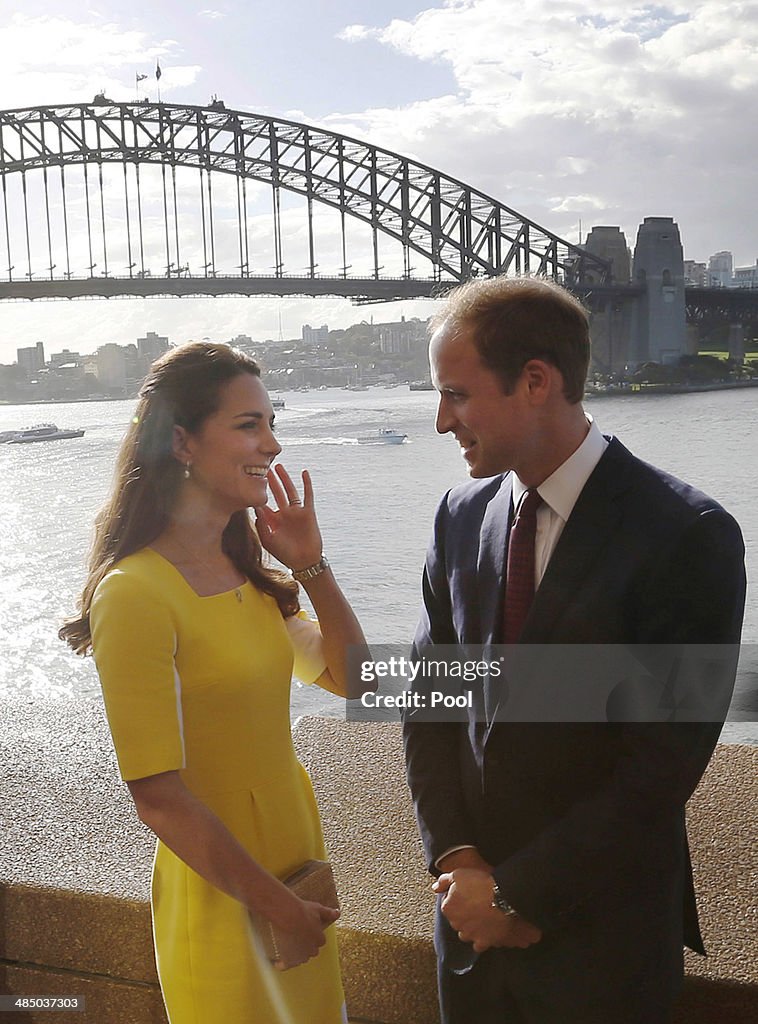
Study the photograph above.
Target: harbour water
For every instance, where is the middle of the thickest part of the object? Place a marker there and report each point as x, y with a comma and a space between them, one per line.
375, 505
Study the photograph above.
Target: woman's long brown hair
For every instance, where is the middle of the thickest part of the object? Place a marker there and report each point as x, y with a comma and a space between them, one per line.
182, 389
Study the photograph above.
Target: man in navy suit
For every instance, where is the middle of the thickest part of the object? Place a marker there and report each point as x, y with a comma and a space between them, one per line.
564, 883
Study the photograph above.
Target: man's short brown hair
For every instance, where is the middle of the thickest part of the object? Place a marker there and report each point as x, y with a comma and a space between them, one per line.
515, 319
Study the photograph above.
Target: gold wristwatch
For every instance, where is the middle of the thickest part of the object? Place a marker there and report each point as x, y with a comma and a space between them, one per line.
311, 571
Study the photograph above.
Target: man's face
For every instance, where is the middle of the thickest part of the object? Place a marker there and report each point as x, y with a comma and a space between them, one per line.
492, 428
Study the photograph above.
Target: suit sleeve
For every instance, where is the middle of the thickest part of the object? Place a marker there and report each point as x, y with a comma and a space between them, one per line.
694, 596
431, 748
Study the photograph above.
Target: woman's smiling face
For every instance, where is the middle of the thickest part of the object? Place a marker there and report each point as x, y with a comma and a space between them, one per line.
235, 446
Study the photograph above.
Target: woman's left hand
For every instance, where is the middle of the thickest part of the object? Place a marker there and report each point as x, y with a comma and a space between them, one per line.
291, 533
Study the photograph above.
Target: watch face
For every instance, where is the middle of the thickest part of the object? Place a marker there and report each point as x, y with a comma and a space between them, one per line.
501, 902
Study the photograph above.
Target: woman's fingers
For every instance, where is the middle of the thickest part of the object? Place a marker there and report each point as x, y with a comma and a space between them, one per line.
284, 490
327, 915
276, 488
289, 487
307, 489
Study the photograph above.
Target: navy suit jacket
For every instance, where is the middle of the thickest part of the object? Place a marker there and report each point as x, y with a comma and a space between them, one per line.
580, 820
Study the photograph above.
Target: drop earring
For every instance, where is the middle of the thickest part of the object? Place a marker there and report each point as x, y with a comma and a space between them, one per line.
187, 470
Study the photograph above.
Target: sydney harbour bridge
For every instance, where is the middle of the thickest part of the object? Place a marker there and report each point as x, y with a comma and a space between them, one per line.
109, 199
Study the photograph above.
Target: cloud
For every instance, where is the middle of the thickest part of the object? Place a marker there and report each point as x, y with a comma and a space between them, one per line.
561, 109
355, 33
577, 204
566, 165
55, 59
211, 14
179, 76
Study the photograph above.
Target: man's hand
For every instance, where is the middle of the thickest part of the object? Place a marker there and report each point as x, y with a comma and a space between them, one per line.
467, 905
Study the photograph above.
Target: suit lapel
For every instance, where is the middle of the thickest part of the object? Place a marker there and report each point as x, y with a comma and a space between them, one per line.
490, 572
490, 569
585, 540
586, 537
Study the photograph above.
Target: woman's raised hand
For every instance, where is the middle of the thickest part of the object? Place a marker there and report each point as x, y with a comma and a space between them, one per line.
291, 532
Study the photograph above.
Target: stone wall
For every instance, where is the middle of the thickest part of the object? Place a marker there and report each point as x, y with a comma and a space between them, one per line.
75, 867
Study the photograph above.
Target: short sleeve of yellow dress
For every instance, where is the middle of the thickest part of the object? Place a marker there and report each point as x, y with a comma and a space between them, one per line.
200, 685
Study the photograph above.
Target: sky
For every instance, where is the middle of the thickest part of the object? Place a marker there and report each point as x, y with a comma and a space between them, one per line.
569, 112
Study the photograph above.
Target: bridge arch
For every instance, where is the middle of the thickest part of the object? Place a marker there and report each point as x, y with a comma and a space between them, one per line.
459, 231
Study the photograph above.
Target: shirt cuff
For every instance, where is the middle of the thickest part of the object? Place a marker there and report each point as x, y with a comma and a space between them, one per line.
452, 849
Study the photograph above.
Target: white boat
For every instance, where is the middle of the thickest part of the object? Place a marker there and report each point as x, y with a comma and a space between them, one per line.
384, 435
277, 403
40, 432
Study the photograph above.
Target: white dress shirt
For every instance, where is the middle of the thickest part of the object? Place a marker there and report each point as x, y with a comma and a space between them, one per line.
559, 494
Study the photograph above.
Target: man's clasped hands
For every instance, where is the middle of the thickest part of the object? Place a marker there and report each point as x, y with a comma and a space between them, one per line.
466, 886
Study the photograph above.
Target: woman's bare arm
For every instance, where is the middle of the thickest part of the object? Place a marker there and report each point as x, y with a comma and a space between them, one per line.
197, 836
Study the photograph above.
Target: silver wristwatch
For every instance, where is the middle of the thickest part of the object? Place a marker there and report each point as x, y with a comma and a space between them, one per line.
499, 901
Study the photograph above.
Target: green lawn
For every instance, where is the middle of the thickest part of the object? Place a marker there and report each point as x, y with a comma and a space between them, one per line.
723, 355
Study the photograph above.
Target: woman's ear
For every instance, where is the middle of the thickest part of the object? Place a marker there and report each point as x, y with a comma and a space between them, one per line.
180, 445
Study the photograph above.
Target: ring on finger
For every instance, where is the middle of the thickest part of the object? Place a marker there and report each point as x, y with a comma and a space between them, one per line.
295, 501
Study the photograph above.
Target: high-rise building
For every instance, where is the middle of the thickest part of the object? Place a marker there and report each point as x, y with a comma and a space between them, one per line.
111, 367
695, 274
315, 335
66, 357
31, 359
401, 337
720, 267
151, 347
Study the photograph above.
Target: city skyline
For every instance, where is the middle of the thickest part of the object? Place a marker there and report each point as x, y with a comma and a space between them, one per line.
565, 115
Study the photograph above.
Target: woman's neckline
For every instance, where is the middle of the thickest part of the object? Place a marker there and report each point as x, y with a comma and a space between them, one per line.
236, 591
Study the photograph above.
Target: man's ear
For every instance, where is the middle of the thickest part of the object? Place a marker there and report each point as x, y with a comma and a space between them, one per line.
180, 445
538, 376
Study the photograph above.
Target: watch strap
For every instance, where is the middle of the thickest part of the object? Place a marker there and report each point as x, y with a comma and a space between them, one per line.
311, 571
500, 902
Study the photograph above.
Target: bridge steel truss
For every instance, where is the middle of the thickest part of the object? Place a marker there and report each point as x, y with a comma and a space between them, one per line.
710, 307
462, 232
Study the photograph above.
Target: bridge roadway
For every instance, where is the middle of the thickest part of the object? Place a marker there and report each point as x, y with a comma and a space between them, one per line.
732, 305
367, 288
362, 288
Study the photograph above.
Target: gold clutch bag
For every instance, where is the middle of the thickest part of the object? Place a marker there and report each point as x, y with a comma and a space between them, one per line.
313, 881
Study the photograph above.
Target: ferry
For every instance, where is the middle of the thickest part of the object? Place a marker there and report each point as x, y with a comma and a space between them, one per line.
277, 403
40, 432
384, 435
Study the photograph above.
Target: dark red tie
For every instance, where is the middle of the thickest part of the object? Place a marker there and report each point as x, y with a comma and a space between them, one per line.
519, 580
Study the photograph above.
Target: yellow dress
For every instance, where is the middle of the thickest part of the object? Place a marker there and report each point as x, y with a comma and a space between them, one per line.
201, 684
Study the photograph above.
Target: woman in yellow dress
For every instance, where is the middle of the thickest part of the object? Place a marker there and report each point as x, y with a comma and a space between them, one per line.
195, 640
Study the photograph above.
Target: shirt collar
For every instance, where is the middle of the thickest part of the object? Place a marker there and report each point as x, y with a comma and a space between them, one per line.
562, 488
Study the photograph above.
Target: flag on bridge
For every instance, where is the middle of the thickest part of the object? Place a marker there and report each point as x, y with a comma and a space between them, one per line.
158, 71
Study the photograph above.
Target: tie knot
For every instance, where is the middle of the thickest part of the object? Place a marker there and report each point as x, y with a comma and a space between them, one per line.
530, 502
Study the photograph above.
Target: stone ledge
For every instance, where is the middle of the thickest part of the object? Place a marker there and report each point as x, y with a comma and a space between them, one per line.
107, 1000
75, 868
60, 928
719, 989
